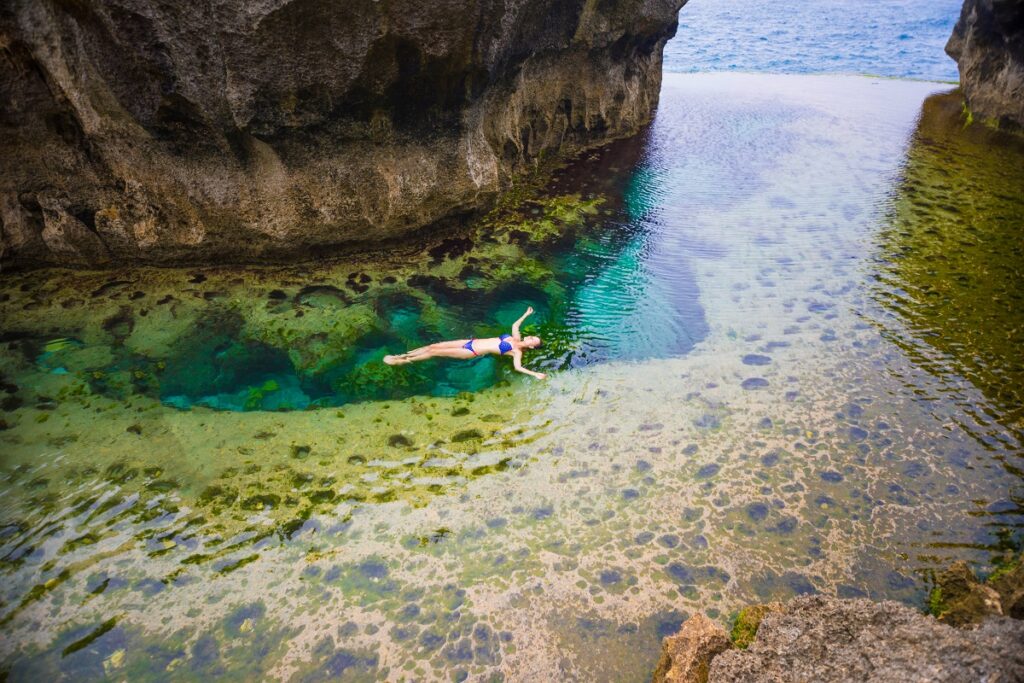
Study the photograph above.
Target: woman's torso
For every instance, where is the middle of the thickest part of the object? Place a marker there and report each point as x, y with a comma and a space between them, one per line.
498, 345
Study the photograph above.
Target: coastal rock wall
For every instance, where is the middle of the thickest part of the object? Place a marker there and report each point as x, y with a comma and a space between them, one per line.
141, 131
988, 46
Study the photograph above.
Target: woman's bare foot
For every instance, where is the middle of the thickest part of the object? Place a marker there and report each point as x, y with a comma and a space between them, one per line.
394, 360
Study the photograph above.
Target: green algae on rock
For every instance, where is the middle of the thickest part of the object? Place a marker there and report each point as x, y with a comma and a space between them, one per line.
744, 629
986, 46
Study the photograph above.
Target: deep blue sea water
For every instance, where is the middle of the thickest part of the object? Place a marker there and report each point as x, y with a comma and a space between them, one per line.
895, 38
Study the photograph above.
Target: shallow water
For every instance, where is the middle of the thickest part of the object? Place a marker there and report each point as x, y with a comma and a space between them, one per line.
784, 329
894, 38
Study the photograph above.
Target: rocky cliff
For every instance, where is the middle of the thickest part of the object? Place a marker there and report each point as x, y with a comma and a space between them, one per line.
146, 131
988, 46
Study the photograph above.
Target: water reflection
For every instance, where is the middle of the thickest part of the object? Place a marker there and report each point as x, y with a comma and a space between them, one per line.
596, 269
950, 265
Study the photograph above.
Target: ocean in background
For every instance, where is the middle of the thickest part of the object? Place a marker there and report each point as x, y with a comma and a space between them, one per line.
894, 38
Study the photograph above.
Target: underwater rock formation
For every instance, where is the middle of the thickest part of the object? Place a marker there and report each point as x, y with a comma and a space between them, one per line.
139, 131
960, 599
988, 46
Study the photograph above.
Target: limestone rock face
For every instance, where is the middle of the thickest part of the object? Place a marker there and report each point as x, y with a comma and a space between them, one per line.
148, 131
819, 638
686, 657
988, 45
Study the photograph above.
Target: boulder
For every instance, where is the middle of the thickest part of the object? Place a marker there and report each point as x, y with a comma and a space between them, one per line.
1008, 582
988, 46
686, 656
818, 638
959, 599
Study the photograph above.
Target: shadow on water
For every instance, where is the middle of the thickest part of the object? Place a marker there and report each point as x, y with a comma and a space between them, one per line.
584, 255
949, 265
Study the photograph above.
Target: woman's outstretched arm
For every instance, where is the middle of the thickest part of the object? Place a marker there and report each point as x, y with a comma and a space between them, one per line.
516, 324
517, 363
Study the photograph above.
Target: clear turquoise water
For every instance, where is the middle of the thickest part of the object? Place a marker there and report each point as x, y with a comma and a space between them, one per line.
786, 354
895, 38
785, 358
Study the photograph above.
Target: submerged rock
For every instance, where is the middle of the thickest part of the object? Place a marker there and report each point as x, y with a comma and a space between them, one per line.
144, 131
686, 657
819, 638
1008, 582
959, 599
988, 46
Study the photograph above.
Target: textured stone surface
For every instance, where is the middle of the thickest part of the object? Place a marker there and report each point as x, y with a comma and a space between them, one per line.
686, 656
988, 45
138, 130
1009, 584
749, 620
819, 638
959, 599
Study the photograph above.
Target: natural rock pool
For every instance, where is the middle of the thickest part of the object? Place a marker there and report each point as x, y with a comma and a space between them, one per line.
783, 329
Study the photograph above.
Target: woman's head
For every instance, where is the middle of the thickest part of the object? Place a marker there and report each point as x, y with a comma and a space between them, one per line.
531, 342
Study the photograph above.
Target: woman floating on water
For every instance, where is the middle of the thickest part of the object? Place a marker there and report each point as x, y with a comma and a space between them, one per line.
471, 348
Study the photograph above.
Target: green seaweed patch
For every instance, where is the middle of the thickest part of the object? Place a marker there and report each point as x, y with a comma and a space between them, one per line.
90, 637
499, 466
747, 621
80, 542
1003, 568
936, 604
238, 564
467, 435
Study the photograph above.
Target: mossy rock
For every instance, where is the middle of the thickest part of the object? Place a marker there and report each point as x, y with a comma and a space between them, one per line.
1008, 581
959, 599
744, 630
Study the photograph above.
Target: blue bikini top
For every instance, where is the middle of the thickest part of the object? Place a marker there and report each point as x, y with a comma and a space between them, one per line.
503, 345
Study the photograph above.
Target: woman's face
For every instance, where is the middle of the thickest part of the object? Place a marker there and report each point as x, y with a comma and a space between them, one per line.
531, 342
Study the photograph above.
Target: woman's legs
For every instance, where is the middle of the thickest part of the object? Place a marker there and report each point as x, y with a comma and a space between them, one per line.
446, 349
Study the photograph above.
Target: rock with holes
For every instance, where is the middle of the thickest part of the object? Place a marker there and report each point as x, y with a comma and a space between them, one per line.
820, 638
686, 656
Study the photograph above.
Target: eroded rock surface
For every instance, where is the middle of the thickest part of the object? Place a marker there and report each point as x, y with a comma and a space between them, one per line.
686, 657
135, 130
988, 45
1009, 584
959, 599
819, 638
